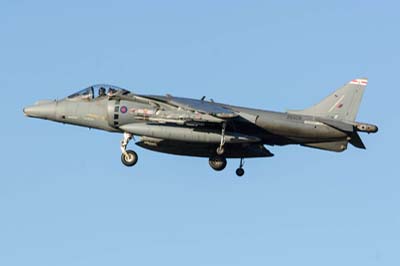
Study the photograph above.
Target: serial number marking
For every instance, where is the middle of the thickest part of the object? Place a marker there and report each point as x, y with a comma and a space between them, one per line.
294, 117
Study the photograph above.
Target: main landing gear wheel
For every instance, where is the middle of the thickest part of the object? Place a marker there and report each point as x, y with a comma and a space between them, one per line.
217, 163
240, 170
130, 158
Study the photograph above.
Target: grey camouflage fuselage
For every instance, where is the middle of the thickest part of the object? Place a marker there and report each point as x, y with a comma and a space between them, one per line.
203, 128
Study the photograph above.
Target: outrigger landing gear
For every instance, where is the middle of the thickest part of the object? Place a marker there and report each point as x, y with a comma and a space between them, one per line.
220, 149
240, 170
128, 157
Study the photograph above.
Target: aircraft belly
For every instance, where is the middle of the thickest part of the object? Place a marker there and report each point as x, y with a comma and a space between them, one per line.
204, 150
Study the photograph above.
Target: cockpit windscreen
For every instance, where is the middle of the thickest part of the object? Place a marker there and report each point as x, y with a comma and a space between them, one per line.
83, 94
97, 91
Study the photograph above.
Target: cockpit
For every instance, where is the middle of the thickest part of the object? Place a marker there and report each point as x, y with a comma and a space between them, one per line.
97, 91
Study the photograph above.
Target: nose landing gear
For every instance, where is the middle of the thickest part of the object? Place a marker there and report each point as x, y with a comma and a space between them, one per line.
128, 157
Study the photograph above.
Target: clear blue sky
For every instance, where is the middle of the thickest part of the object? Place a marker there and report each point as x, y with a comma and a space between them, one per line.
65, 198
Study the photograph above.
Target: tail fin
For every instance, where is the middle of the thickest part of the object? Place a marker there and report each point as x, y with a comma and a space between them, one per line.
342, 105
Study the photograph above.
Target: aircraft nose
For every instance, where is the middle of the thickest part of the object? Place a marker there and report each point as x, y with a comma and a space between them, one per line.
44, 110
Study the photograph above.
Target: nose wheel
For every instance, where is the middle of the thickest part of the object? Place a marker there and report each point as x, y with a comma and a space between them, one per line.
128, 157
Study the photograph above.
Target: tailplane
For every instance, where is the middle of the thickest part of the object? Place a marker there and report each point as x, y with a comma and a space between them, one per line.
342, 105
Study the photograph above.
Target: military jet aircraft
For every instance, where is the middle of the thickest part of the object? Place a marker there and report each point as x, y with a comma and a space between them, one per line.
204, 128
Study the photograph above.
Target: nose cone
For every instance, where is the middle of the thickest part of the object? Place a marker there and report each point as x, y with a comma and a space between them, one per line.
42, 110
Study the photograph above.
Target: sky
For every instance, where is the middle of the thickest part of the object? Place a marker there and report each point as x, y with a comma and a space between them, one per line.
66, 199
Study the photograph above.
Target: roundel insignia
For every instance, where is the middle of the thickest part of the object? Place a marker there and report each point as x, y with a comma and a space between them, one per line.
123, 109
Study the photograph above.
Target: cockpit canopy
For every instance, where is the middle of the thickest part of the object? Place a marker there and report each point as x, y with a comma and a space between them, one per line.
97, 91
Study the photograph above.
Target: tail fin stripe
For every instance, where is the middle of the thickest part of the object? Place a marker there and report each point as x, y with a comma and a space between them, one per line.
359, 82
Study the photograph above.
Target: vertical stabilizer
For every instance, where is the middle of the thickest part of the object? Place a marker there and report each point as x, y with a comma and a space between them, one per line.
343, 104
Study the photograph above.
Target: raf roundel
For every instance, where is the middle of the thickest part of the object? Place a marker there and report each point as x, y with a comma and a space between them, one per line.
124, 109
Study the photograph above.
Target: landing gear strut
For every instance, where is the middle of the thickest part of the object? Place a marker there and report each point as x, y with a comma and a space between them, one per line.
128, 157
240, 170
220, 149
